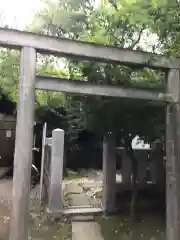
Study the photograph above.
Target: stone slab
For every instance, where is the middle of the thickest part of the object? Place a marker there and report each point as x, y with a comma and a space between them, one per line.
83, 214
83, 218
82, 211
92, 185
86, 231
78, 200
73, 188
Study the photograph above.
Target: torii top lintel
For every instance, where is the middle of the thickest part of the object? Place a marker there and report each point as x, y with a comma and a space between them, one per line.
70, 48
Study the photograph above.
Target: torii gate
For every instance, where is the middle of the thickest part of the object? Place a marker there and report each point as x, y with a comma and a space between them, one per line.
29, 44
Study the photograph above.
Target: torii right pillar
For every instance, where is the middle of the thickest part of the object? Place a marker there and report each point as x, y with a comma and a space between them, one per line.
173, 157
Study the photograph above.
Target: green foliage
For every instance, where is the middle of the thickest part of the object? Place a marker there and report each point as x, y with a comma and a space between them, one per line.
53, 115
132, 24
117, 23
62, 18
9, 72
7, 106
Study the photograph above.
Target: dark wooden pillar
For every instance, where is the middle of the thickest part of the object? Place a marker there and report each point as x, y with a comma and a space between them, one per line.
173, 158
109, 174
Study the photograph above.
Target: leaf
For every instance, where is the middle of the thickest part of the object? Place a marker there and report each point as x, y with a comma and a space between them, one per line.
154, 3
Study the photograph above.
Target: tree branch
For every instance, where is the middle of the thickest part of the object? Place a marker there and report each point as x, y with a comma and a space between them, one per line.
114, 4
138, 39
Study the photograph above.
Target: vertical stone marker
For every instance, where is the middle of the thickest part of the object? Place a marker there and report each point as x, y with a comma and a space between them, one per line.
23, 145
57, 157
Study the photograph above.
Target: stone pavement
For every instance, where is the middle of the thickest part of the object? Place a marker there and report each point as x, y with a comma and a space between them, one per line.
86, 231
83, 227
77, 198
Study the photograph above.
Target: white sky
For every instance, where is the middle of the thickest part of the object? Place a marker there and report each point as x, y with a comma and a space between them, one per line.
19, 13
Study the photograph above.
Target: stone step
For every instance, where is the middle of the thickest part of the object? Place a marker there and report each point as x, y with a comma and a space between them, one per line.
89, 211
82, 211
78, 199
73, 188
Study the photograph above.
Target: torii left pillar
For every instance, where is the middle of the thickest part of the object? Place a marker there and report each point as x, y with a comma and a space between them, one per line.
23, 145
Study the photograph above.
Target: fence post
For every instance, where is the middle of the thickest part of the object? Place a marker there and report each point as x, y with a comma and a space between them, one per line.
42, 163
56, 172
109, 174
23, 145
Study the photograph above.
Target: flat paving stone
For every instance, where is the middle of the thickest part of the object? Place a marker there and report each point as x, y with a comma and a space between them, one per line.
86, 231
83, 218
78, 199
73, 188
83, 227
87, 211
92, 185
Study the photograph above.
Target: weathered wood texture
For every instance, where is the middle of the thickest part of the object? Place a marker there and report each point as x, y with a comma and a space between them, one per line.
82, 87
23, 145
109, 175
173, 159
70, 48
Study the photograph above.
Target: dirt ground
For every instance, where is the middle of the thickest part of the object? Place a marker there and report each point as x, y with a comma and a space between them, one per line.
150, 227
5, 202
40, 227
4, 221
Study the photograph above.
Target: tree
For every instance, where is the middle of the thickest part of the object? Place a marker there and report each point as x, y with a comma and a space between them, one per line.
9, 72
63, 18
7, 106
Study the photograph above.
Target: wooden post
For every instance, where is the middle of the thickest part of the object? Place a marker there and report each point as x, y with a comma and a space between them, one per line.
42, 163
142, 163
23, 145
173, 158
109, 175
125, 168
157, 166
56, 177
